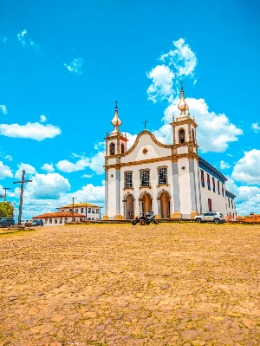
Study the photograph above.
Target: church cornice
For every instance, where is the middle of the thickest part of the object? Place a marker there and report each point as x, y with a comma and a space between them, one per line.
173, 158
184, 122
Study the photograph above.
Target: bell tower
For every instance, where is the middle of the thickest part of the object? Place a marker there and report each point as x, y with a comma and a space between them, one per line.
184, 129
116, 146
185, 162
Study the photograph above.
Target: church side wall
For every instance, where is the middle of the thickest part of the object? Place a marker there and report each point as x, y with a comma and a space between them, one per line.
217, 200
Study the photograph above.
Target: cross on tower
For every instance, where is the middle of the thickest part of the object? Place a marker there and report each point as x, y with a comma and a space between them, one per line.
145, 122
22, 182
116, 103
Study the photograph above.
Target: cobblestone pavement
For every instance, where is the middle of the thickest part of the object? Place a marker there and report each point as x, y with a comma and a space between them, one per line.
171, 284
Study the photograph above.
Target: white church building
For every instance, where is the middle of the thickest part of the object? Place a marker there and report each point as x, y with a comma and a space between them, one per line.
171, 180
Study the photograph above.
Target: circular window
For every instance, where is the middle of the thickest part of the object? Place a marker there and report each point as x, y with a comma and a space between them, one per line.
145, 150
183, 168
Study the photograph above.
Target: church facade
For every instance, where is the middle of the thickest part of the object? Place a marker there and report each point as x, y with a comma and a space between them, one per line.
172, 180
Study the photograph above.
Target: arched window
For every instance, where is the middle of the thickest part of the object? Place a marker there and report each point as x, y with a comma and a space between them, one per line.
112, 149
181, 136
122, 148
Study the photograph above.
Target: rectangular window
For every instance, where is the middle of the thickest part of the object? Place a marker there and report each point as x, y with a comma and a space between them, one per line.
93, 211
50, 220
222, 190
213, 183
128, 180
82, 210
229, 202
144, 177
202, 178
232, 205
218, 188
76, 210
162, 176
208, 182
61, 220
97, 211
89, 210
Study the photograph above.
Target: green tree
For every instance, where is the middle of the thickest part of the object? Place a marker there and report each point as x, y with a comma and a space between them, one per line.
6, 209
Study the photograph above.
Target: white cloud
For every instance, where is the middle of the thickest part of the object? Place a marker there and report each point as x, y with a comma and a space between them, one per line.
48, 168
3, 109
214, 133
68, 166
162, 82
178, 62
29, 170
182, 58
247, 197
75, 66
224, 165
5, 171
35, 131
87, 176
22, 37
247, 169
43, 118
8, 157
90, 193
97, 163
47, 186
255, 127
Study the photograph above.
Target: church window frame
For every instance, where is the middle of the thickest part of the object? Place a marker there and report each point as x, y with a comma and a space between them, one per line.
162, 175
210, 204
145, 177
223, 190
122, 148
128, 180
181, 136
213, 184
112, 148
202, 178
218, 187
208, 182
232, 205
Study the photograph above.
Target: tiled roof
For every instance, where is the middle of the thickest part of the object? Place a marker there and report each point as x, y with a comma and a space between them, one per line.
58, 214
78, 205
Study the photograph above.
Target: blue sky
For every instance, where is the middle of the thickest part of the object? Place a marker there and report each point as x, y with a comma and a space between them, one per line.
64, 63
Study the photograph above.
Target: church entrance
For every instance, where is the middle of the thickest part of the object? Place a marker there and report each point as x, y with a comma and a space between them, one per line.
146, 202
164, 205
129, 207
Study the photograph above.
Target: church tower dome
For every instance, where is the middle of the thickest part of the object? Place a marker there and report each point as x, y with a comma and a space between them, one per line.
182, 105
116, 122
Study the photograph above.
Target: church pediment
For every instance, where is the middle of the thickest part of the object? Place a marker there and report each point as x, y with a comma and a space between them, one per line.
146, 147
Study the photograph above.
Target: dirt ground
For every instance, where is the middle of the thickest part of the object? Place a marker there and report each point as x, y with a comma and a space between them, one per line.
171, 284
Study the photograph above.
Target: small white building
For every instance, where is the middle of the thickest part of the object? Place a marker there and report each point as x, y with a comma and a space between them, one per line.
59, 218
171, 180
90, 211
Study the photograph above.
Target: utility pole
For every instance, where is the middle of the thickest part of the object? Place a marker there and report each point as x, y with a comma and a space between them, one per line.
22, 182
4, 196
73, 208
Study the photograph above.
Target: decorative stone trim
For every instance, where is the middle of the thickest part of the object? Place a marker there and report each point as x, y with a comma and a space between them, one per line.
176, 215
118, 217
193, 214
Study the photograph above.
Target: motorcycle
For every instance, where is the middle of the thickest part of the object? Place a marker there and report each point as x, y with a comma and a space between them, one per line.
145, 219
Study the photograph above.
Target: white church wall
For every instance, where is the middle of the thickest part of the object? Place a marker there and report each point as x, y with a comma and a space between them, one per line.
184, 187
111, 207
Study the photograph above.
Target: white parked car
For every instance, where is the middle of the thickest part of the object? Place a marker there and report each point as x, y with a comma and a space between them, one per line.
210, 216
